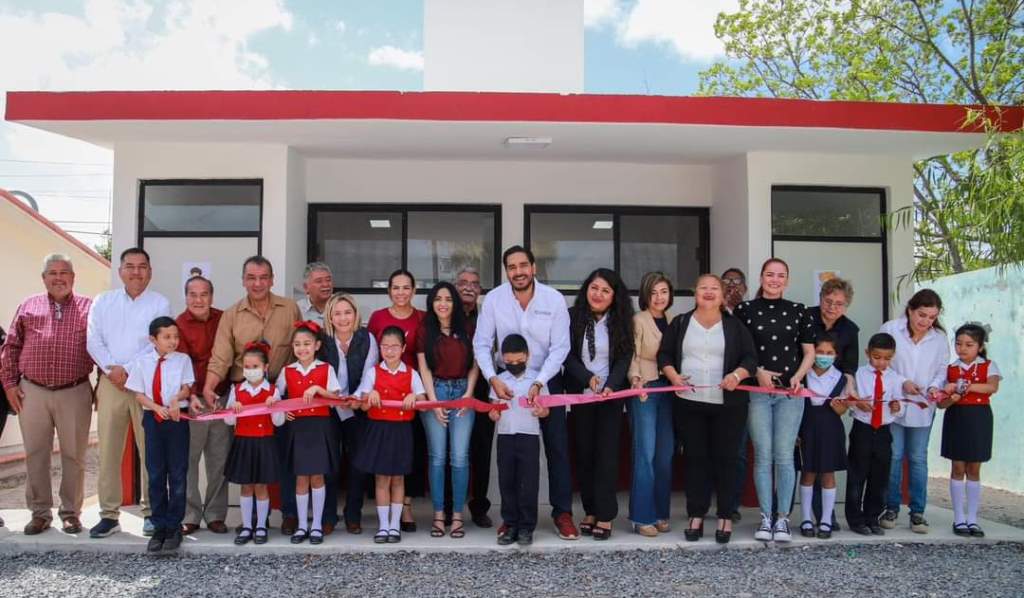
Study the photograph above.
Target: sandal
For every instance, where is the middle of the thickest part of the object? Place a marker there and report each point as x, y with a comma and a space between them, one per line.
807, 528
586, 528
457, 532
824, 530
437, 531
243, 536
261, 536
601, 533
316, 536
380, 537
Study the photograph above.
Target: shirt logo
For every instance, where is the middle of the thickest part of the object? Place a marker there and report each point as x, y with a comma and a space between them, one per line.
542, 313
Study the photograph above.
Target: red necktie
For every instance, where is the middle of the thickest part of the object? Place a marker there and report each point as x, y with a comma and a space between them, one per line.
876, 411
157, 395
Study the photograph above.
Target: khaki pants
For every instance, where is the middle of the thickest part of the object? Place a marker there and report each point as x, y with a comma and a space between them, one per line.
212, 441
68, 412
116, 410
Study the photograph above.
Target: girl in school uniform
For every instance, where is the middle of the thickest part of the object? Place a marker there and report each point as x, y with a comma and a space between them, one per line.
822, 436
253, 460
386, 450
311, 444
967, 424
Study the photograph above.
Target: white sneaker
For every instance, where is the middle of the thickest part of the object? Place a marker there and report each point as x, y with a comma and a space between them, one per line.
764, 531
782, 530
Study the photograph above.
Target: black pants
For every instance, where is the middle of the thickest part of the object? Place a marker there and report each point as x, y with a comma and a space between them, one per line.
519, 479
554, 430
867, 465
711, 437
358, 480
597, 428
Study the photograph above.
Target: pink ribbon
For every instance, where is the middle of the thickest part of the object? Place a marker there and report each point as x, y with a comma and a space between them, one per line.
297, 404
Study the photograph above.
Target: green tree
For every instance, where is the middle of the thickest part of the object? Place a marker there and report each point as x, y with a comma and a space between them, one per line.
104, 247
968, 209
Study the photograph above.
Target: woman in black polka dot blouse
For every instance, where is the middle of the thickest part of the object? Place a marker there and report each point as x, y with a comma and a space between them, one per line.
784, 336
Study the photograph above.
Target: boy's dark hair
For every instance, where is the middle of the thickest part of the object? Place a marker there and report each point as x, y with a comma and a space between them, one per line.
159, 324
394, 331
515, 343
827, 337
134, 251
517, 249
882, 340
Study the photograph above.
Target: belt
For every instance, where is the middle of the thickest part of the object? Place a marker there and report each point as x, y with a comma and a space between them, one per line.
58, 386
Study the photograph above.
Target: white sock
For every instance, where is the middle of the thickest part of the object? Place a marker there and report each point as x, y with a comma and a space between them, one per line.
956, 494
828, 504
973, 501
382, 517
262, 511
806, 496
396, 516
302, 506
245, 503
318, 507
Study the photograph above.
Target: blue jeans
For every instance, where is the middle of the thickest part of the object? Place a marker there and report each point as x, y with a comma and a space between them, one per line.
457, 433
774, 423
653, 442
912, 443
167, 466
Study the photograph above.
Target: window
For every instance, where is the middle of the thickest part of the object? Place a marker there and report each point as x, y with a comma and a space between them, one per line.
364, 244
201, 208
826, 212
569, 242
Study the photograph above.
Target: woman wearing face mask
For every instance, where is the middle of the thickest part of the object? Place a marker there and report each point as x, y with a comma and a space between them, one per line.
922, 355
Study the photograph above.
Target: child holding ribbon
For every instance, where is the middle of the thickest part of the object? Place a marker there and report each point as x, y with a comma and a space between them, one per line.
253, 460
387, 445
967, 424
311, 447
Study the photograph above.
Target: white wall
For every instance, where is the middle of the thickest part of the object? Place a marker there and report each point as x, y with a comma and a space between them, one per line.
499, 45
730, 218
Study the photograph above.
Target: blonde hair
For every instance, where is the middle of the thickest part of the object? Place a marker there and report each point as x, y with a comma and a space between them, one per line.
329, 308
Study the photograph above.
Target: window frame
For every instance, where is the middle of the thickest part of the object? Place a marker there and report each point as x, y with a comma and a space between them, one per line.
403, 209
617, 211
143, 234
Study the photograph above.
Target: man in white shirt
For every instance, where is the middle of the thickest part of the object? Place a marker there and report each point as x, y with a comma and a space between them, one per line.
117, 333
318, 284
539, 313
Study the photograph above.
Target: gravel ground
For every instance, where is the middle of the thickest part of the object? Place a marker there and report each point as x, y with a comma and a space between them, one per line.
915, 570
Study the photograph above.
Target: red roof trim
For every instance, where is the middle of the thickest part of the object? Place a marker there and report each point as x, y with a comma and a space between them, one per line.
471, 106
53, 227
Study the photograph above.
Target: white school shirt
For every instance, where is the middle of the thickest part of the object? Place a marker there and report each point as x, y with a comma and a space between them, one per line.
372, 355
332, 380
175, 372
892, 388
822, 385
518, 419
544, 324
703, 361
370, 378
924, 363
278, 418
600, 364
993, 369
118, 326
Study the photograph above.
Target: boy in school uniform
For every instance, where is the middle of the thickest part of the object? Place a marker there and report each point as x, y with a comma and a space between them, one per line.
161, 380
518, 430
870, 451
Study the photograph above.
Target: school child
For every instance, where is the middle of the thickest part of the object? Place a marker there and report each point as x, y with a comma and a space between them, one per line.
822, 437
967, 424
253, 461
386, 449
311, 446
518, 430
881, 390
161, 379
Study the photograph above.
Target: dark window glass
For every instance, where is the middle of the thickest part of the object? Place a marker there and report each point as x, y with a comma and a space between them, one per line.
568, 247
665, 243
442, 243
826, 213
362, 248
201, 207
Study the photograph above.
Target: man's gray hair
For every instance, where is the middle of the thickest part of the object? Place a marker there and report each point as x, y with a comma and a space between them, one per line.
312, 267
56, 257
467, 270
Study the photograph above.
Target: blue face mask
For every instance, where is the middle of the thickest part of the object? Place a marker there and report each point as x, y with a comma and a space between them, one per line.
824, 362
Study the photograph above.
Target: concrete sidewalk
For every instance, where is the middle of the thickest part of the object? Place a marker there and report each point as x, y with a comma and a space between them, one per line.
131, 540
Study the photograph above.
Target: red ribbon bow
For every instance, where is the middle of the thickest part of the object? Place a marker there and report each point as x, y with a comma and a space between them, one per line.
261, 346
308, 325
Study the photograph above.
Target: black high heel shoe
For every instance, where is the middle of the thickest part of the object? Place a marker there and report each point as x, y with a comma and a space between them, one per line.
693, 534
723, 536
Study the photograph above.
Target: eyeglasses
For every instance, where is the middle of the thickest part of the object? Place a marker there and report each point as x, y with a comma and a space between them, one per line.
733, 282
831, 303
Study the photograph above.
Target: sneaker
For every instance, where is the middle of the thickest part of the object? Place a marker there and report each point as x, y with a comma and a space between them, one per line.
526, 538
507, 536
764, 531
156, 542
104, 528
147, 527
888, 519
861, 529
876, 530
782, 533
565, 527
173, 541
918, 524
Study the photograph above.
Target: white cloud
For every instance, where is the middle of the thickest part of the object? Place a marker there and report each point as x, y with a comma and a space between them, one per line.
598, 13
340, 26
687, 27
312, 40
392, 57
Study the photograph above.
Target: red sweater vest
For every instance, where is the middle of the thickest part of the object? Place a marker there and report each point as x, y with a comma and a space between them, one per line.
297, 384
976, 374
253, 426
392, 387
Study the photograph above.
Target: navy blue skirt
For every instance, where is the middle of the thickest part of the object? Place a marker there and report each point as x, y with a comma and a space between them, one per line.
822, 440
386, 448
967, 433
311, 445
253, 461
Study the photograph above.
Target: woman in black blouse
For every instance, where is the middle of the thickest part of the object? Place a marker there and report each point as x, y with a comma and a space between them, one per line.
600, 353
784, 337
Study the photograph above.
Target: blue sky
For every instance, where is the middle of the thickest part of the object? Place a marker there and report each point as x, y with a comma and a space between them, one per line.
631, 46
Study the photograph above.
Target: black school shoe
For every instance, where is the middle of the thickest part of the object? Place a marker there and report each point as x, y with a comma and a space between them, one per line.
807, 528
173, 541
876, 530
976, 531
156, 541
508, 536
525, 538
861, 529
